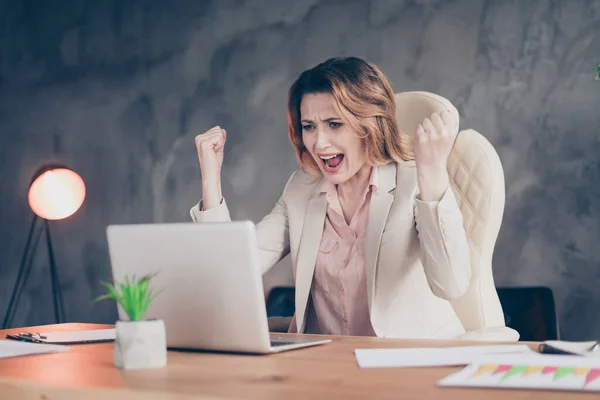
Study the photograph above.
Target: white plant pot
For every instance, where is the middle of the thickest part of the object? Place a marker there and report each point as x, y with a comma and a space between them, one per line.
140, 344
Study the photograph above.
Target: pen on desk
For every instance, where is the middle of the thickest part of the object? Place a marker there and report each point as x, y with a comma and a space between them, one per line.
27, 337
549, 349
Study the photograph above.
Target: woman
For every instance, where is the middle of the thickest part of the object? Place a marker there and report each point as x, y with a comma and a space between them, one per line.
374, 230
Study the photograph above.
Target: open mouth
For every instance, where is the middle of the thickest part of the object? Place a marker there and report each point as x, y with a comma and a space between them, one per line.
332, 162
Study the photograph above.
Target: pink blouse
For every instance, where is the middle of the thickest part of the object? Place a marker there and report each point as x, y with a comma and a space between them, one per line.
338, 303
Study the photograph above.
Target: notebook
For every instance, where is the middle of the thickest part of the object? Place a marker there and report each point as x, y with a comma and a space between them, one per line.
10, 348
69, 337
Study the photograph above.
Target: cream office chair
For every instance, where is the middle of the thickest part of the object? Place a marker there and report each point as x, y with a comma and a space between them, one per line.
477, 178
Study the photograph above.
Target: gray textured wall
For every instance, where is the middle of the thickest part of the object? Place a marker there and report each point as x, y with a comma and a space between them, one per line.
118, 90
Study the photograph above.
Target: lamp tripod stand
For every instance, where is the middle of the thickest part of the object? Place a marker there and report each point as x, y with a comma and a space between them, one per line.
25, 270
55, 193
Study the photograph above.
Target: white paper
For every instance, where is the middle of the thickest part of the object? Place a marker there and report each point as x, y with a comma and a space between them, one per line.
529, 371
429, 357
537, 359
13, 348
80, 336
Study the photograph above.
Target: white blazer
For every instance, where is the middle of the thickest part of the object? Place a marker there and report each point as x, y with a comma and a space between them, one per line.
417, 255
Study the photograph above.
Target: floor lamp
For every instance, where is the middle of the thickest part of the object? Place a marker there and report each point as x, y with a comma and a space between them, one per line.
55, 193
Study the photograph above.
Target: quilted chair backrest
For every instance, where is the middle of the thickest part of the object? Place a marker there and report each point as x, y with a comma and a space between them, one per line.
477, 178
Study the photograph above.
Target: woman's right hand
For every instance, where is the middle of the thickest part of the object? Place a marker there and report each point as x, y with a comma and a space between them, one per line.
210, 145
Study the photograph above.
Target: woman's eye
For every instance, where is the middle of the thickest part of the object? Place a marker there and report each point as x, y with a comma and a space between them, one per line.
306, 127
334, 125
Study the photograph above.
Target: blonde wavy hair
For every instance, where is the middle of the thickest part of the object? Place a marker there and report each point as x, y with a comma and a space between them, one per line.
364, 99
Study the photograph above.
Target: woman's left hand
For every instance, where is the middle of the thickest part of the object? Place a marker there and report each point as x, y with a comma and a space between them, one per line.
433, 143
434, 140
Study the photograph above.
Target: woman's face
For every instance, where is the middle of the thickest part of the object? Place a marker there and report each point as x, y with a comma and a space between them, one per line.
335, 147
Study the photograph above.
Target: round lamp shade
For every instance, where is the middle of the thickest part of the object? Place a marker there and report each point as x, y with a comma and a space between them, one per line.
56, 193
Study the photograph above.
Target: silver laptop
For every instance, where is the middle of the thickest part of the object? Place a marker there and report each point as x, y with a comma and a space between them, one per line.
209, 282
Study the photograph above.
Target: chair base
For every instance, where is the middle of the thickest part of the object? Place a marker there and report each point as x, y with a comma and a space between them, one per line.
279, 324
491, 334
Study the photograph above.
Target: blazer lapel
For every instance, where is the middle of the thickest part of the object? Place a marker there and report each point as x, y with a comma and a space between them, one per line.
314, 222
379, 208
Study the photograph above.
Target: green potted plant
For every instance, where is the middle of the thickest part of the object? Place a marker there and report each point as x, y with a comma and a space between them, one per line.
140, 342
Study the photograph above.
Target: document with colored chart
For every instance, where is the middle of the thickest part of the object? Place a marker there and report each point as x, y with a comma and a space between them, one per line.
529, 371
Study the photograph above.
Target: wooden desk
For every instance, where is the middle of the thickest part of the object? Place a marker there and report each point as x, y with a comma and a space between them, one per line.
327, 372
